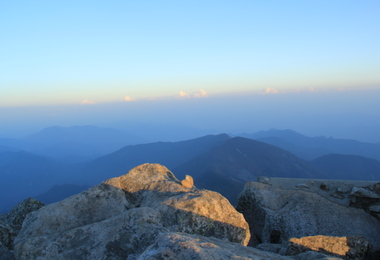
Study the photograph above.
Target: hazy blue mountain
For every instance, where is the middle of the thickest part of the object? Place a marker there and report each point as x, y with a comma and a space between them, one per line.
90, 141
348, 167
162, 132
24, 174
60, 192
73, 144
10, 145
310, 148
170, 154
4, 148
6, 157
227, 167
217, 162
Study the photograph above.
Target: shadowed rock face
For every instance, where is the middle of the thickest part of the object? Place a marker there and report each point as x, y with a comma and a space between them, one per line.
121, 217
10, 225
280, 209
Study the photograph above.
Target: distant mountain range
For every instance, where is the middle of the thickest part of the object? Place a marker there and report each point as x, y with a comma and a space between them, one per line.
72, 144
310, 148
217, 162
227, 167
170, 154
60, 192
25, 174
348, 167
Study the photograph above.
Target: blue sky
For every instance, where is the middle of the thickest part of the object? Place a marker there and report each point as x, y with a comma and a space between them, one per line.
62, 53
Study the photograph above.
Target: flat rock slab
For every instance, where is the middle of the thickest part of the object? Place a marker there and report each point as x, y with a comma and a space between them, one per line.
337, 191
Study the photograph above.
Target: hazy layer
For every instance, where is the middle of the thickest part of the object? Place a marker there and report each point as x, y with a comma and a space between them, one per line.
342, 114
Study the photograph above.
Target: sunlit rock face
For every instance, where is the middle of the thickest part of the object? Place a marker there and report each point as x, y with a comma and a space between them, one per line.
121, 217
345, 247
279, 209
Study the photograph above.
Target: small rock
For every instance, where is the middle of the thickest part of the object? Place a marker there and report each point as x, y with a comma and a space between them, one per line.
265, 180
324, 187
364, 193
302, 185
376, 187
375, 208
337, 195
188, 182
343, 190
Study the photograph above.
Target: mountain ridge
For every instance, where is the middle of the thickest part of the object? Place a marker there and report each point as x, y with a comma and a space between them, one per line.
310, 148
227, 167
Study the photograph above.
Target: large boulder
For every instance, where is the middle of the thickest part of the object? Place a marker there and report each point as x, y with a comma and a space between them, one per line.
121, 217
280, 209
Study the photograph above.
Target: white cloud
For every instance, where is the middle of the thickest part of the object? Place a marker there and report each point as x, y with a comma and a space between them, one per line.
87, 102
127, 99
183, 95
271, 91
343, 89
200, 93
312, 90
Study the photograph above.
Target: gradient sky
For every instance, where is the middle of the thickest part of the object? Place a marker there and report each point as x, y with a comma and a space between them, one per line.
61, 53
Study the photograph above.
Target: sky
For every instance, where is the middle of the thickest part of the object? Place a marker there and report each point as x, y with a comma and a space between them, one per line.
233, 66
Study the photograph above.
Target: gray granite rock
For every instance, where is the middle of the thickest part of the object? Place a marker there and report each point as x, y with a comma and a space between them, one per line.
277, 210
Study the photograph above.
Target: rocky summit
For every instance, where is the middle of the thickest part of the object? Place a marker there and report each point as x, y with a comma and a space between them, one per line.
149, 214
131, 216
